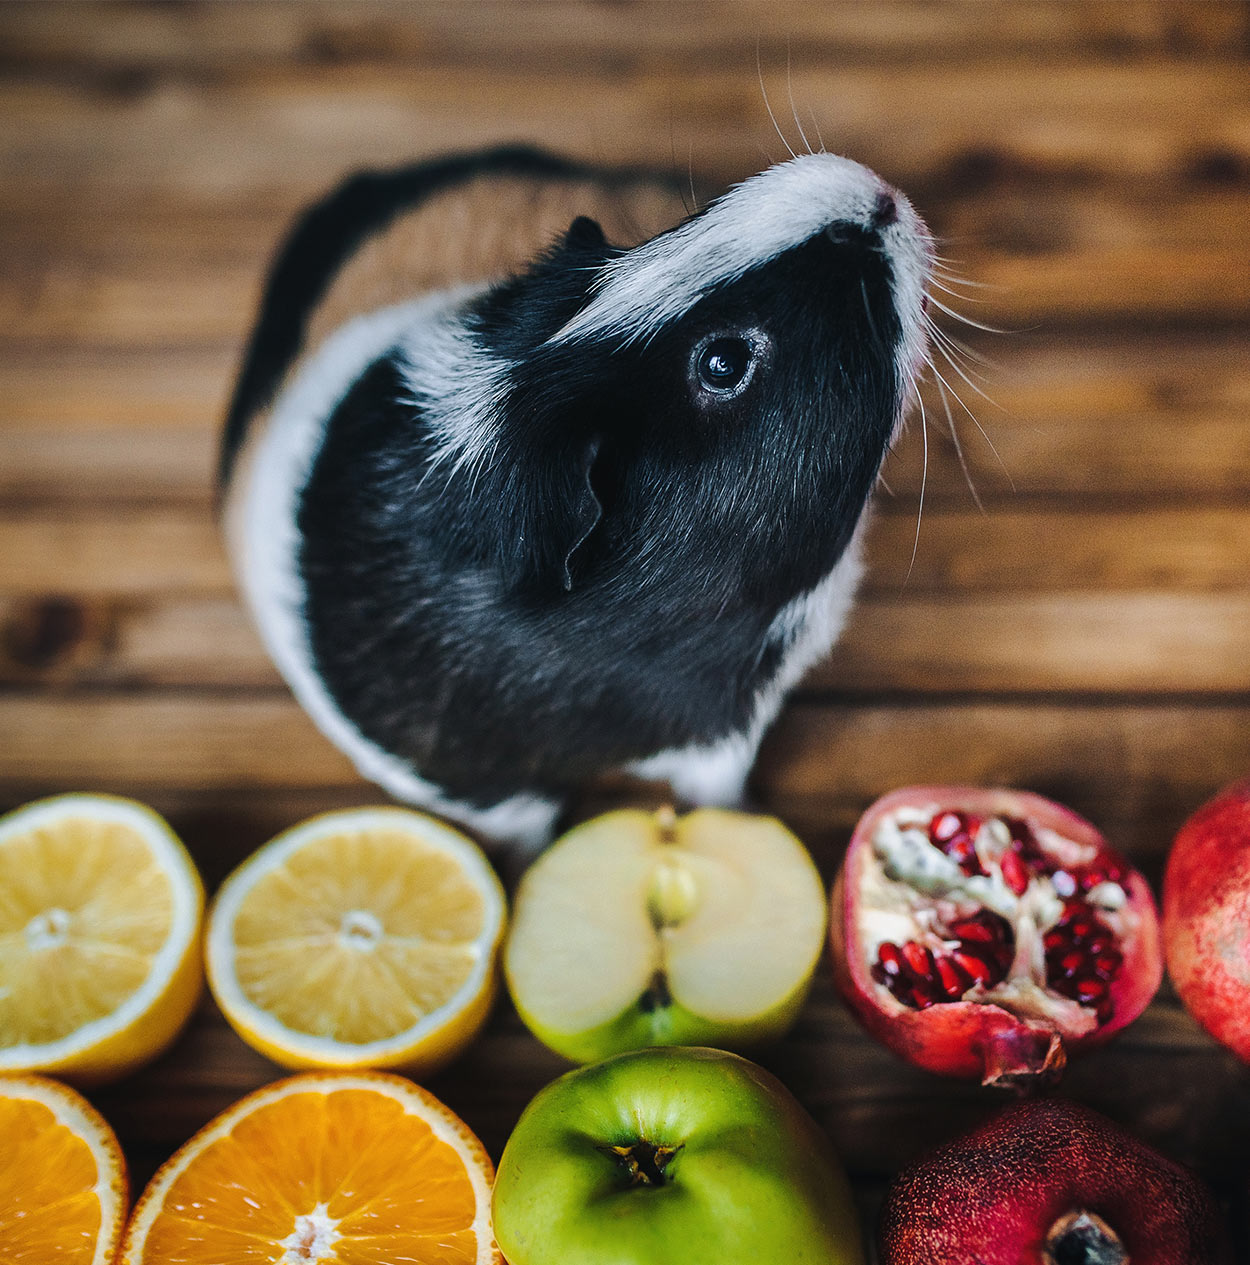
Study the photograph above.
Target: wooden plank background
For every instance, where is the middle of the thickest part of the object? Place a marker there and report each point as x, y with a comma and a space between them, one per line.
1080, 624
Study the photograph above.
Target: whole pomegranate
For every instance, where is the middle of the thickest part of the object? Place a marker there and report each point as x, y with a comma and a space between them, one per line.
1206, 917
987, 933
1049, 1183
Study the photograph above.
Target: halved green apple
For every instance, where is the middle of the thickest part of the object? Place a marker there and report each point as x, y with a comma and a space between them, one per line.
640, 929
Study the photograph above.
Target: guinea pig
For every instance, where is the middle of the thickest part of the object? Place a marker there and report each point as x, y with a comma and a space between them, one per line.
529, 476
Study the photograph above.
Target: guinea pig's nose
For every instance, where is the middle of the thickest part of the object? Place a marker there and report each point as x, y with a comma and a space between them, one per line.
885, 212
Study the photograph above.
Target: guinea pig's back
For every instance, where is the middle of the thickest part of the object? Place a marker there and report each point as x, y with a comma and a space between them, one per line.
384, 238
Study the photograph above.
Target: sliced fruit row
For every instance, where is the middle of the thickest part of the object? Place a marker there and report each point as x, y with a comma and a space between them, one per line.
366, 938
346, 1167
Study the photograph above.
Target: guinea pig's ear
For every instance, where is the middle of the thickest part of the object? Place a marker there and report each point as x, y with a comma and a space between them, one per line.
584, 234
553, 512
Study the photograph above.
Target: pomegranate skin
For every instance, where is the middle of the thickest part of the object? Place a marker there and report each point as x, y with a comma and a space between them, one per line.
1206, 917
979, 1040
994, 1196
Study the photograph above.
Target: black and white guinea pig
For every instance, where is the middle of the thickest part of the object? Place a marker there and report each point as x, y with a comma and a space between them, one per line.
516, 501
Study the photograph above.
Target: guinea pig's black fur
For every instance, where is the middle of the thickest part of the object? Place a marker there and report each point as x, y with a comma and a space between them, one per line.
557, 545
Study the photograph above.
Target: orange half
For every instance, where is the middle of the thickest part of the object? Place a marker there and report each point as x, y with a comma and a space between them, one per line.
63, 1187
335, 1168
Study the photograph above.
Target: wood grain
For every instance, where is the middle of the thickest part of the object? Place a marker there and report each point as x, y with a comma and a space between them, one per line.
140, 550
1141, 643
1086, 633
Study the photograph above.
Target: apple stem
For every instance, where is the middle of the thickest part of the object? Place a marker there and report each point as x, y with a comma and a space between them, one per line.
666, 823
644, 1161
1083, 1238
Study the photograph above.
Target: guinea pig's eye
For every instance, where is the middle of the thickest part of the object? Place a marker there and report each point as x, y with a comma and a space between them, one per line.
723, 364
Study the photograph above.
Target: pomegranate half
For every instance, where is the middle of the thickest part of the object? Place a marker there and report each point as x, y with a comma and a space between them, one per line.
989, 933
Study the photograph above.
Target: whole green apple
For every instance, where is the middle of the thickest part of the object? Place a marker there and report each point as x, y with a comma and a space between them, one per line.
671, 1156
640, 928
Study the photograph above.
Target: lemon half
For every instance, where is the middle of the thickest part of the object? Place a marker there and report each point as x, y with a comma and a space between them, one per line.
363, 938
100, 914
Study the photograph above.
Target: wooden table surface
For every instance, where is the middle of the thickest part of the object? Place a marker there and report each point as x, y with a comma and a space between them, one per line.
1084, 630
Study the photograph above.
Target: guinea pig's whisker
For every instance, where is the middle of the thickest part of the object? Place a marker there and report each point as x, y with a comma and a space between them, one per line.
820, 140
959, 448
952, 354
966, 352
965, 320
794, 110
924, 479
984, 435
955, 294
759, 70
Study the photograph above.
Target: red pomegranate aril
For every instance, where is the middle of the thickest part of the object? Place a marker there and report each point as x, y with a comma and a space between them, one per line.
945, 826
918, 958
890, 959
1015, 872
978, 969
971, 931
1108, 869
1080, 929
1072, 962
1107, 964
954, 979
984, 927
955, 834
1090, 990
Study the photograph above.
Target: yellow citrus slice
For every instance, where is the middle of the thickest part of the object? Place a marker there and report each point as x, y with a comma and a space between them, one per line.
363, 938
63, 1186
354, 1168
100, 914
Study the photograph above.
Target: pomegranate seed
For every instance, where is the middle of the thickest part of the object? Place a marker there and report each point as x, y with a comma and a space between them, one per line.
955, 833
1055, 939
890, 959
1108, 868
945, 826
977, 968
1090, 990
954, 979
919, 959
973, 932
1106, 965
1072, 962
1015, 873
1079, 929
982, 928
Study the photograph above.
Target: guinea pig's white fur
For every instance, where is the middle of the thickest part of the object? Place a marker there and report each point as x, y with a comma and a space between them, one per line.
459, 383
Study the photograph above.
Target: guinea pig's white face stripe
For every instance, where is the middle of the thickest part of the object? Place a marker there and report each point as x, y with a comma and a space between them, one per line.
757, 220
457, 384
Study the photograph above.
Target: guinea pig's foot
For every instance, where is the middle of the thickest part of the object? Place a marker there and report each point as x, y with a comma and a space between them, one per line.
712, 774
